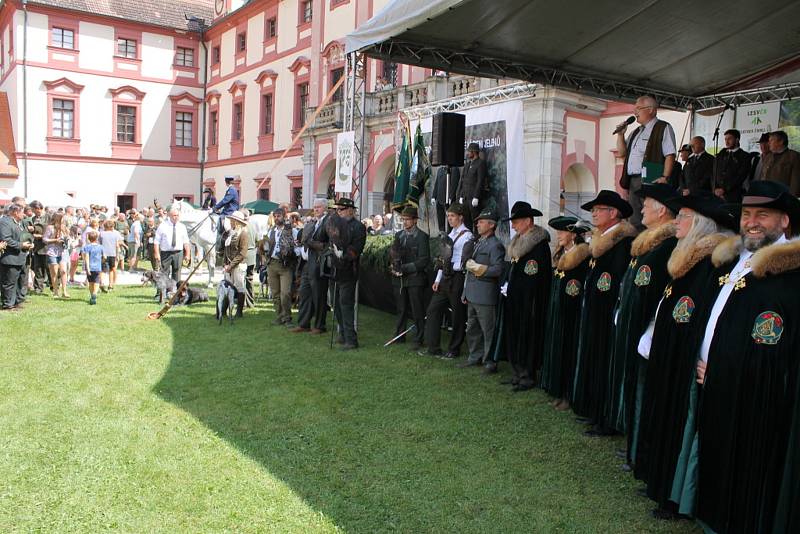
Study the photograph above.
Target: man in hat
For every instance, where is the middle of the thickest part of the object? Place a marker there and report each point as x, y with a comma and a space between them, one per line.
610, 249
410, 258
526, 290
347, 244
226, 206
280, 252
313, 286
748, 364
473, 188
758, 157
482, 289
732, 169
782, 164
12, 258
448, 286
649, 152
209, 200
640, 291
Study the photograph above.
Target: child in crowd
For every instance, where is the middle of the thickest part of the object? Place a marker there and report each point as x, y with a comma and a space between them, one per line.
111, 240
93, 263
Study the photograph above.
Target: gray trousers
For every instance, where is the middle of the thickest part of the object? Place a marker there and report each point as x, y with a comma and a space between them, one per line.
171, 261
344, 308
9, 285
480, 330
636, 202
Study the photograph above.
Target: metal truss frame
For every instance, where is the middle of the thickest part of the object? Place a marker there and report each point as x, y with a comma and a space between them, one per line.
772, 93
503, 93
355, 102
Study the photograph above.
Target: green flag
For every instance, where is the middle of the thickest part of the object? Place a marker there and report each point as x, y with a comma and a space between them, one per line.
420, 169
402, 173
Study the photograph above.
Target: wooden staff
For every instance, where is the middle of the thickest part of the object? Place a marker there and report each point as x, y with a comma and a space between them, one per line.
168, 306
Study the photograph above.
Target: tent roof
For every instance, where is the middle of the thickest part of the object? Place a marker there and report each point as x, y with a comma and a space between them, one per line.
614, 48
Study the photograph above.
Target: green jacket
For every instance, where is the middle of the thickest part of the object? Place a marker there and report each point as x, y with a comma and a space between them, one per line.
411, 253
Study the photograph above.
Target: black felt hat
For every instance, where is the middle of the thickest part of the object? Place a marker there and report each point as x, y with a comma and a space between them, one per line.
711, 206
567, 224
522, 210
611, 199
661, 192
409, 211
345, 203
473, 147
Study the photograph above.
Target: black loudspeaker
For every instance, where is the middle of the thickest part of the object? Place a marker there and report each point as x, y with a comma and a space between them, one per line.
447, 139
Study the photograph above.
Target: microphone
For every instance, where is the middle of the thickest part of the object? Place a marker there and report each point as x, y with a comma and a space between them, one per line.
623, 127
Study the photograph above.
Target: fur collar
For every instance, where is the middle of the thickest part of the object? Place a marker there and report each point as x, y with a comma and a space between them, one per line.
727, 251
776, 259
683, 259
603, 243
521, 244
651, 238
573, 257
773, 259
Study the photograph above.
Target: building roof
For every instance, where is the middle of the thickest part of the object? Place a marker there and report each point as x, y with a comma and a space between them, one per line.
170, 14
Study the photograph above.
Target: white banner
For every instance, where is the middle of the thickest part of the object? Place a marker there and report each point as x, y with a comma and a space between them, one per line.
345, 145
755, 120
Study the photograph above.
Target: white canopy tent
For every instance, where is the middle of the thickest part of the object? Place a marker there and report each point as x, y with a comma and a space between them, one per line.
617, 49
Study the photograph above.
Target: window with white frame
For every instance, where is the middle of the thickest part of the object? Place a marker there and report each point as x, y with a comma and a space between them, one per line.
126, 124
184, 57
237, 121
307, 12
63, 38
63, 118
272, 28
183, 128
266, 106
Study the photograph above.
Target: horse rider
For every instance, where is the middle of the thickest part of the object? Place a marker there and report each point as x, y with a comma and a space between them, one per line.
225, 207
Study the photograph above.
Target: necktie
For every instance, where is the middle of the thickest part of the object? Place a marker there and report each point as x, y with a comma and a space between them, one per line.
174, 236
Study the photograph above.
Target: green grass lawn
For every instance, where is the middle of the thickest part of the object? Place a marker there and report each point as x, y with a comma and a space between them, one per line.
113, 422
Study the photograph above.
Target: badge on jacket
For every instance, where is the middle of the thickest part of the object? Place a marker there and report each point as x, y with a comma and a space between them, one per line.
573, 288
768, 328
643, 276
682, 312
604, 282
531, 267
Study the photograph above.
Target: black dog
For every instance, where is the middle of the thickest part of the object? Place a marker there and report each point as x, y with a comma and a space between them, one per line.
226, 300
188, 296
165, 286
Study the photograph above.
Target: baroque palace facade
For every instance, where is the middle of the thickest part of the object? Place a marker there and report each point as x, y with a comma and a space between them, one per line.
123, 102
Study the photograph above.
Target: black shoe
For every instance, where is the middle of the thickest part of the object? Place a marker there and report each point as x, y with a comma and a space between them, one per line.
584, 421
429, 352
627, 467
489, 369
450, 355
468, 363
667, 515
521, 387
348, 346
598, 432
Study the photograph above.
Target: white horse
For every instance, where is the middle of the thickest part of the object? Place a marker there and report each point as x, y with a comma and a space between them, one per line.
202, 226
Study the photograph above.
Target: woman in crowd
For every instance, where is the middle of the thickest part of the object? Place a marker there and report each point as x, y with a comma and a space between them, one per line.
74, 249
111, 240
571, 261
672, 344
134, 240
55, 241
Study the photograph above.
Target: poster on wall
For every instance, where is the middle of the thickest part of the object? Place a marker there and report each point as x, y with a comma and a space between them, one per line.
345, 143
498, 131
755, 120
789, 122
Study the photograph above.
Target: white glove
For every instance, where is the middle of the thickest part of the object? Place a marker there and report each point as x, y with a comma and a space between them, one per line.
474, 202
338, 253
504, 289
460, 200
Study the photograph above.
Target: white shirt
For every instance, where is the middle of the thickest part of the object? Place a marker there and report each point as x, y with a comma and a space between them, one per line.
739, 270
639, 145
458, 248
164, 236
609, 229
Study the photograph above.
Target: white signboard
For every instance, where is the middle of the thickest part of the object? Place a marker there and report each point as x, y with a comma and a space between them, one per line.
345, 145
755, 120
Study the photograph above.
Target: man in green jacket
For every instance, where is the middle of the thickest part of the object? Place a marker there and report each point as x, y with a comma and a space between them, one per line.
410, 257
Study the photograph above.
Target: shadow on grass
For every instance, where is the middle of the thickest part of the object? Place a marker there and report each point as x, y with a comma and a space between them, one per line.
384, 439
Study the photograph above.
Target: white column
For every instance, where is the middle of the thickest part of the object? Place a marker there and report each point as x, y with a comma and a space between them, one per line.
309, 165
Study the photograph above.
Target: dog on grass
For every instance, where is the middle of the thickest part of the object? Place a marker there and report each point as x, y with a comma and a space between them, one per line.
165, 286
189, 295
226, 301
